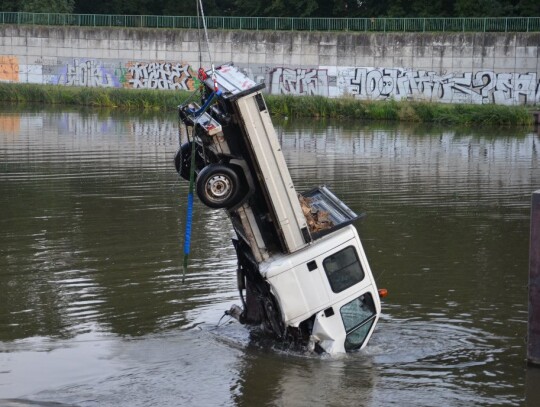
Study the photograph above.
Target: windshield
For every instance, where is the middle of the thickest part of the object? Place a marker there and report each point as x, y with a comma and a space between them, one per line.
358, 317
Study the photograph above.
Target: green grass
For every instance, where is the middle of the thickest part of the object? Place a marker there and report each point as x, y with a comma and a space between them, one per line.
405, 111
279, 105
95, 97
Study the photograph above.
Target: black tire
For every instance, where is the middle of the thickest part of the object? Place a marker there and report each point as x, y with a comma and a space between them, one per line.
273, 319
218, 186
182, 160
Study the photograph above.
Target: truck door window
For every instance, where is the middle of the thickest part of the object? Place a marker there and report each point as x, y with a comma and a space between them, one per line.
343, 269
358, 316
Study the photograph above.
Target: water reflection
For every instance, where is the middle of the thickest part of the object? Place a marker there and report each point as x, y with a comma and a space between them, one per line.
91, 226
297, 381
91, 229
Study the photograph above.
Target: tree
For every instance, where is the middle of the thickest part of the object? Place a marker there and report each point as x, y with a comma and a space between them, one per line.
482, 8
47, 6
431, 8
291, 8
9, 5
248, 7
528, 8
286, 8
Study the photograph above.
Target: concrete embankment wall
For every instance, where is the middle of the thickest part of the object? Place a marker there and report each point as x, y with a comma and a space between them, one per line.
501, 68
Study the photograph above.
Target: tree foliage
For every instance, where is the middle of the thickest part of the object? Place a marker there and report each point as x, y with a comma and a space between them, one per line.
287, 8
47, 6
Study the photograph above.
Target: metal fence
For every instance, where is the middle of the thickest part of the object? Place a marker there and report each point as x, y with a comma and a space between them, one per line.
484, 24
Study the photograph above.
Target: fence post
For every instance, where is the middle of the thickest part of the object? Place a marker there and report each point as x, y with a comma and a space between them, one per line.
533, 342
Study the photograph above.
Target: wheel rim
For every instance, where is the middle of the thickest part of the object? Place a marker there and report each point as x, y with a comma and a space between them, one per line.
218, 187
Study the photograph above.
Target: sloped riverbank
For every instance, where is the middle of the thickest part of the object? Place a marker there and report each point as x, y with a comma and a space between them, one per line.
279, 105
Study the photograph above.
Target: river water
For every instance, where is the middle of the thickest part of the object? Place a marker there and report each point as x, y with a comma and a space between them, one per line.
93, 311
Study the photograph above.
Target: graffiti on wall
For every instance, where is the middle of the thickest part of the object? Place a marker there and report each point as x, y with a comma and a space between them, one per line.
159, 75
257, 73
9, 68
31, 73
299, 81
479, 87
89, 73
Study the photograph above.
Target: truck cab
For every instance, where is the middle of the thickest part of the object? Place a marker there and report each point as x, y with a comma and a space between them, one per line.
302, 271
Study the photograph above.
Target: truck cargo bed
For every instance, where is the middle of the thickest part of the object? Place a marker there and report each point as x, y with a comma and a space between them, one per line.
327, 213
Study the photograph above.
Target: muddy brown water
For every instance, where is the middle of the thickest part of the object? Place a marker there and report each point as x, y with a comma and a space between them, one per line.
93, 311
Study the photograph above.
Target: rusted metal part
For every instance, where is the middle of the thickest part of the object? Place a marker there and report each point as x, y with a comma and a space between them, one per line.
533, 343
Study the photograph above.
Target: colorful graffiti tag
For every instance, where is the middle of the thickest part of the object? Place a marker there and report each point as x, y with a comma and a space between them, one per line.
299, 81
89, 73
366, 83
159, 75
478, 87
9, 68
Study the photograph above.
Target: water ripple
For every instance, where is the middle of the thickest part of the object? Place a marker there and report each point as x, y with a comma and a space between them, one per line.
91, 238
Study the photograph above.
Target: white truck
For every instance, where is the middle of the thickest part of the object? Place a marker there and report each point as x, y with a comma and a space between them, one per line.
302, 271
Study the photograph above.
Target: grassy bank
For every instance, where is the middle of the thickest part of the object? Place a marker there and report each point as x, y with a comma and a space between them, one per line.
290, 106
408, 111
94, 97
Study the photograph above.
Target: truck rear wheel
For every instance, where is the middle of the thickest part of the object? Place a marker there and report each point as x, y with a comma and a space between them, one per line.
182, 160
218, 186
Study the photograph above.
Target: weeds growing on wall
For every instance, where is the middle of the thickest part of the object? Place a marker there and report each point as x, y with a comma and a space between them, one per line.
279, 105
